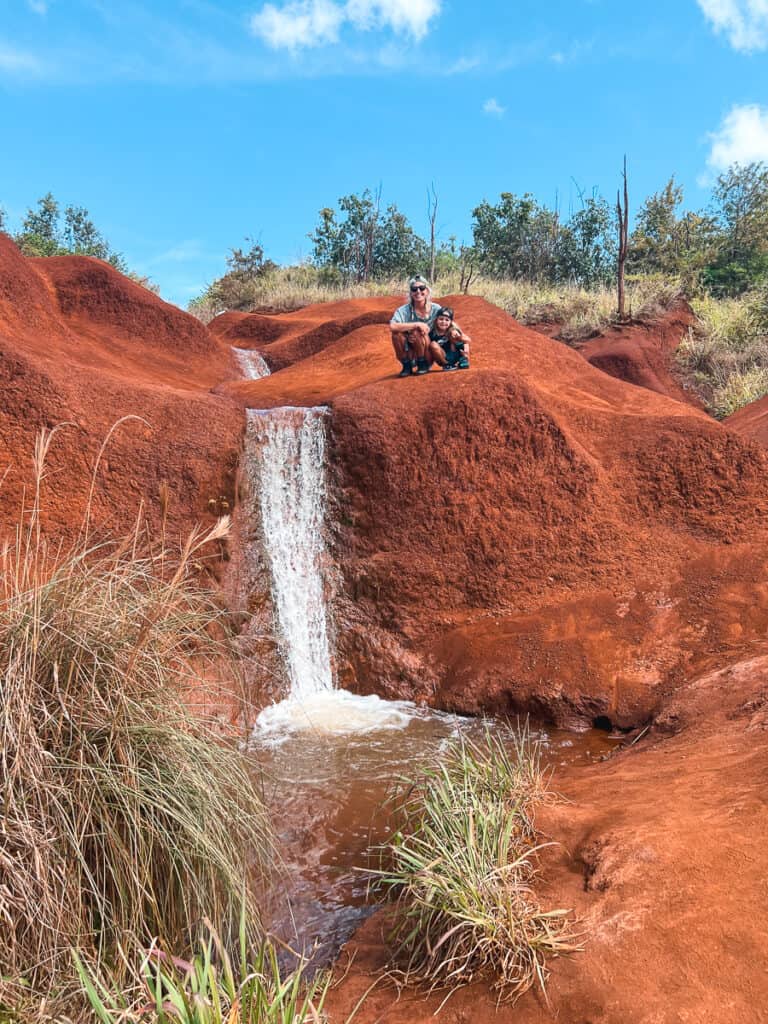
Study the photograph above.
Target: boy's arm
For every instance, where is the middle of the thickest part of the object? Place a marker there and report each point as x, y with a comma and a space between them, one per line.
461, 335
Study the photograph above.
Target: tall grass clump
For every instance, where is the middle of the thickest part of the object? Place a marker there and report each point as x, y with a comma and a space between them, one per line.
460, 869
125, 819
726, 353
216, 988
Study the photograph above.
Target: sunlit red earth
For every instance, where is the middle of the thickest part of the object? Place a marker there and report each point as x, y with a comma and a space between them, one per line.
535, 534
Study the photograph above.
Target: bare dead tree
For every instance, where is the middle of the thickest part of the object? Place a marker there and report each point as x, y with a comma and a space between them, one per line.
622, 214
466, 268
432, 215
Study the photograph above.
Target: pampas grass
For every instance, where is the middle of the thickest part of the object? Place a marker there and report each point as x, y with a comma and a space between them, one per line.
125, 819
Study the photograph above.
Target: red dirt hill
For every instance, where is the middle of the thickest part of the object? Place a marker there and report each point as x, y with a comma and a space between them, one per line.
83, 344
532, 533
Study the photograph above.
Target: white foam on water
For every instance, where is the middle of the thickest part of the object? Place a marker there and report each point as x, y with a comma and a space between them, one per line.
252, 363
285, 462
332, 713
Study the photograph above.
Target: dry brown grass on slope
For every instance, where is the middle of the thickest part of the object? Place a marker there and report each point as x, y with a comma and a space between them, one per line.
124, 818
727, 353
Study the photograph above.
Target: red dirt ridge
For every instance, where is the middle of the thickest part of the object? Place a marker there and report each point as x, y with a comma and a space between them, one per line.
83, 345
533, 534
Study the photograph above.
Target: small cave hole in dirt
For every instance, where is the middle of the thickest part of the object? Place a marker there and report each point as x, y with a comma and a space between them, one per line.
603, 723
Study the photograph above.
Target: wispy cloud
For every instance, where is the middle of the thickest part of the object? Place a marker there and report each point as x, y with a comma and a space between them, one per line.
741, 138
493, 108
302, 24
744, 22
38, 6
18, 62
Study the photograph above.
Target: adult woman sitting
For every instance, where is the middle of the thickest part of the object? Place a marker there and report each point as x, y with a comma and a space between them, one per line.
410, 326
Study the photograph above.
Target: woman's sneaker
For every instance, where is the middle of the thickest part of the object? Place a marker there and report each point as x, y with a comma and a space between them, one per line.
406, 370
423, 366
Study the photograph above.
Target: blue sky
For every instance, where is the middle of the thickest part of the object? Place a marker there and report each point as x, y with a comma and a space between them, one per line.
186, 125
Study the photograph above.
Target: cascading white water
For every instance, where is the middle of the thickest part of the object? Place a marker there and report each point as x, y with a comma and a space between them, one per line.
285, 465
285, 458
252, 363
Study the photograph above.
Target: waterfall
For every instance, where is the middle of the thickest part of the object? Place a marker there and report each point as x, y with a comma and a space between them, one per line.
251, 362
285, 461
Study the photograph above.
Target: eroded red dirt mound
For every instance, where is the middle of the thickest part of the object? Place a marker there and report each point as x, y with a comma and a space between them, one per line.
292, 337
641, 352
661, 855
751, 421
82, 344
532, 532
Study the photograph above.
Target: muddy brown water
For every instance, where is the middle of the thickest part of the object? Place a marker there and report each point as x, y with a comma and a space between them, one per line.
327, 787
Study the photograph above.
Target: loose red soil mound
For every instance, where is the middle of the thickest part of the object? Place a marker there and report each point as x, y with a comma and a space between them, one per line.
532, 533
285, 340
662, 857
84, 345
751, 421
642, 353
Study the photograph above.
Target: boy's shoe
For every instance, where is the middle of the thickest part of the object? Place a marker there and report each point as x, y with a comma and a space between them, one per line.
463, 363
450, 366
406, 370
423, 366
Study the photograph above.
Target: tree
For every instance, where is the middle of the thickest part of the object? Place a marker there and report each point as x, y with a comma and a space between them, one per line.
622, 219
42, 234
80, 235
586, 250
239, 287
740, 216
364, 244
432, 216
515, 238
667, 240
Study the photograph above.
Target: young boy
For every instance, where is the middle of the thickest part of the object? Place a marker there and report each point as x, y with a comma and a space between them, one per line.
451, 339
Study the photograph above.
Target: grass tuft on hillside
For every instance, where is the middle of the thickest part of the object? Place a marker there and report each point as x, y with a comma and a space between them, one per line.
726, 354
460, 870
125, 818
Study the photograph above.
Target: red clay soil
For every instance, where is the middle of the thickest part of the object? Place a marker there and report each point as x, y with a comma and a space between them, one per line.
83, 345
533, 534
751, 421
641, 352
662, 858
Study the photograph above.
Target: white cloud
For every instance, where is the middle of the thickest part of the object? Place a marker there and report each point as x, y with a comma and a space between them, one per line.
741, 138
403, 16
494, 108
298, 24
38, 6
307, 23
744, 22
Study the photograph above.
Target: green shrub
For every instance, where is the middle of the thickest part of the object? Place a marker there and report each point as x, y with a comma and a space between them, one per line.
210, 990
460, 868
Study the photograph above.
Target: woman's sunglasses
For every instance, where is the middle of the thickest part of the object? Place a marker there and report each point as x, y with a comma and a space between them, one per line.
419, 288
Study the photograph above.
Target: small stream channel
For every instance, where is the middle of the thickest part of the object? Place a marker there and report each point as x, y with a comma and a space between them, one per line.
327, 757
